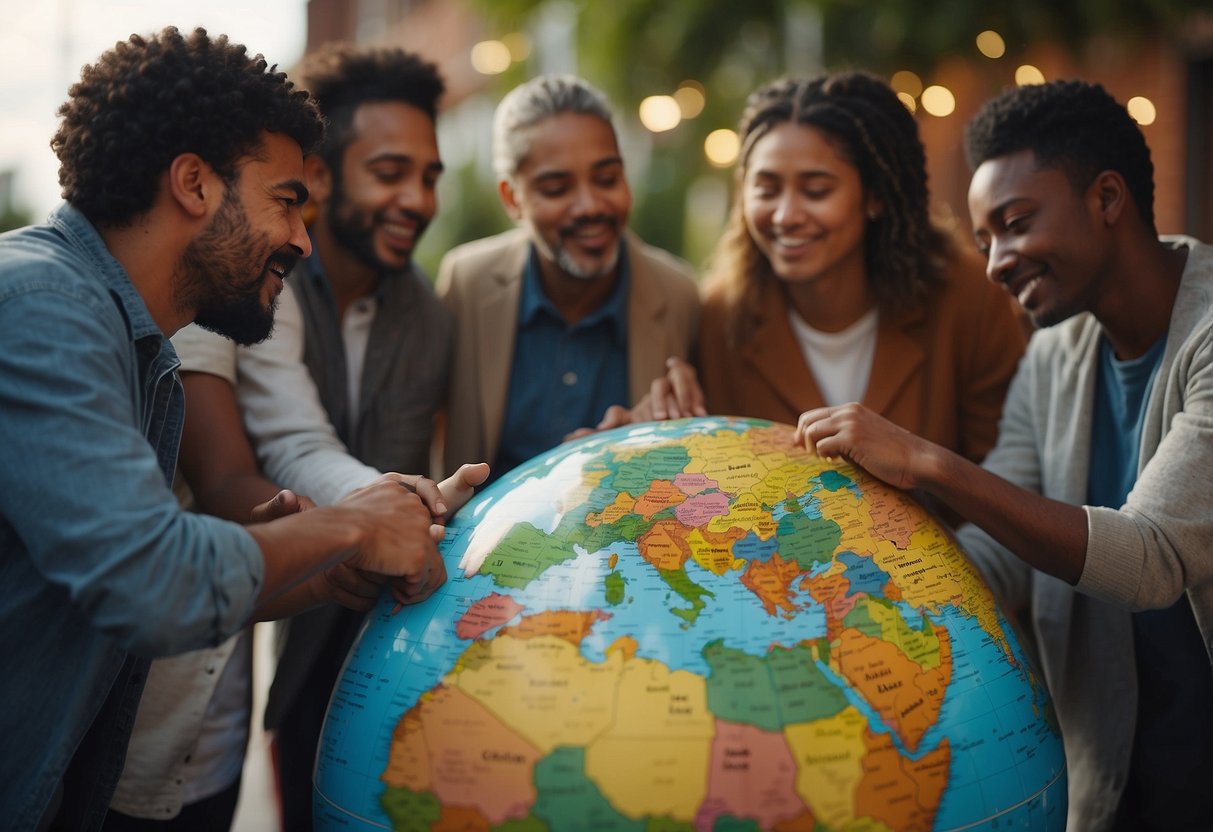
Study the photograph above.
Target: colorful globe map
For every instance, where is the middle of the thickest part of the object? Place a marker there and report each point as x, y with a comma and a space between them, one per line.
692, 625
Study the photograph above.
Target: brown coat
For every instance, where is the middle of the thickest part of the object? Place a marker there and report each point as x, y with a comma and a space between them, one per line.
941, 369
481, 283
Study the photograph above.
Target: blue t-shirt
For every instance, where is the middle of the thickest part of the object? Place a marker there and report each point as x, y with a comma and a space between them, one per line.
1170, 783
562, 377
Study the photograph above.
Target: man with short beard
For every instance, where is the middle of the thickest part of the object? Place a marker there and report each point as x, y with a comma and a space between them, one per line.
569, 314
179, 206
376, 341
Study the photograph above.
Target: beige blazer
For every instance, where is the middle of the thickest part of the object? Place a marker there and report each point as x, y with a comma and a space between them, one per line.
481, 283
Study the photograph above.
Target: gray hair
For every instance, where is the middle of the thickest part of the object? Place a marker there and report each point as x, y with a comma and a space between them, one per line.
530, 103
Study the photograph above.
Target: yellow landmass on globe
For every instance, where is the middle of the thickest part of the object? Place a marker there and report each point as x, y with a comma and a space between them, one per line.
653, 760
829, 757
544, 689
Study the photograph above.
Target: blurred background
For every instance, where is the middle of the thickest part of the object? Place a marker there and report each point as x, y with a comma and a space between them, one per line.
678, 73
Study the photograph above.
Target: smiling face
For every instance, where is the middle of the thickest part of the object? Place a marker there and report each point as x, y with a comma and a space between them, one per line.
805, 208
385, 194
571, 194
232, 272
1045, 241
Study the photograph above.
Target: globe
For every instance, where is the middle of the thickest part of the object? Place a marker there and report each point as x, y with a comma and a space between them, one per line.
692, 625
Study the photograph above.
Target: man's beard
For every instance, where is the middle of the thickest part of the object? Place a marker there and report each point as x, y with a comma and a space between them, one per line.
354, 230
213, 281
569, 264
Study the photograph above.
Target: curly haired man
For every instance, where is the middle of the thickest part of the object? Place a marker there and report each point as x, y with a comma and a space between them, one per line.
182, 170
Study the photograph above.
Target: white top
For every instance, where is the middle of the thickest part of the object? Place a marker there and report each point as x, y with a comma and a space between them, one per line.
355, 335
841, 362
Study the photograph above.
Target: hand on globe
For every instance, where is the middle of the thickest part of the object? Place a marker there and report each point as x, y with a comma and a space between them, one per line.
397, 538
458, 488
854, 433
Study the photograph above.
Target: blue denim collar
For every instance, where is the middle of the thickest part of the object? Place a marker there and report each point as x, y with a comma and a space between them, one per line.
83, 236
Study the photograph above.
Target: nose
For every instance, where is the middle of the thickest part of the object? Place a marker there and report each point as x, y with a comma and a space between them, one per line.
787, 209
1000, 261
414, 196
299, 240
587, 201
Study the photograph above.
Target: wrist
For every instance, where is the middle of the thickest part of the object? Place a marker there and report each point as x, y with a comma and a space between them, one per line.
932, 466
349, 534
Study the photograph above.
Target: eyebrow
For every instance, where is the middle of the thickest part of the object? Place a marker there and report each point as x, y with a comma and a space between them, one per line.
404, 159
800, 174
301, 192
610, 161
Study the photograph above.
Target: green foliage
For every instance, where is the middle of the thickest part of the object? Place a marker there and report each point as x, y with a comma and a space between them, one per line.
468, 208
12, 218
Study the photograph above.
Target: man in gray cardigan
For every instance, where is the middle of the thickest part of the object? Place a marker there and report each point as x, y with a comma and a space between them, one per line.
1096, 506
376, 341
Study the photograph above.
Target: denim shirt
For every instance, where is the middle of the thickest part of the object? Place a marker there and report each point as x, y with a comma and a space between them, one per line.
97, 562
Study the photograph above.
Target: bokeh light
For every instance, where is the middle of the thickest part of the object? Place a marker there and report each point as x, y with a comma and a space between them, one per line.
907, 82
938, 101
991, 44
690, 98
908, 100
518, 44
659, 113
1142, 110
1027, 75
490, 57
721, 147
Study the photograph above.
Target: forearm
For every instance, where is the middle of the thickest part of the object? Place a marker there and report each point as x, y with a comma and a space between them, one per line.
233, 498
298, 599
299, 546
1046, 534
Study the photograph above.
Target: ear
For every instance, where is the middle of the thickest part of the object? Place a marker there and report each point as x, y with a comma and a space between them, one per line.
193, 185
319, 178
509, 199
1109, 196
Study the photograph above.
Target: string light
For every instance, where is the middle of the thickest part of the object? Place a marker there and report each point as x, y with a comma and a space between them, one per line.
659, 113
1027, 75
938, 101
1142, 110
721, 147
991, 44
490, 57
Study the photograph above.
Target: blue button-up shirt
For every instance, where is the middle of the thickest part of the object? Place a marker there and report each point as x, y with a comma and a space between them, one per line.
562, 377
97, 562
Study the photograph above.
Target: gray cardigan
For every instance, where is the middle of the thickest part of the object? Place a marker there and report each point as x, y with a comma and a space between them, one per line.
1141, 556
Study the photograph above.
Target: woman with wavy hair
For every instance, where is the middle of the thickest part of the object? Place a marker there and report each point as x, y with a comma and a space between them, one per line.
832, 284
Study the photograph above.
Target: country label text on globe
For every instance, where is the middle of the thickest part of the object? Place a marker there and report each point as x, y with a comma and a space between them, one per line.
693, 625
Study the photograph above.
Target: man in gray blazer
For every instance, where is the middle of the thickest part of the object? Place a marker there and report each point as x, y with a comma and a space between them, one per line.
569, 313
1095, 506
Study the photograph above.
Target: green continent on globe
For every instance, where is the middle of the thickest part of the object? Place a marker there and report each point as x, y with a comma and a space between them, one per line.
697, 626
